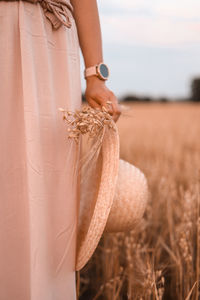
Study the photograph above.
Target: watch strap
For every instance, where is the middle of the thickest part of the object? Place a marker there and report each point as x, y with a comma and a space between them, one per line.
90, 71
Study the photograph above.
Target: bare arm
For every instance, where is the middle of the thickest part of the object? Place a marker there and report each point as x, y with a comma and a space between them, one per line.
89, 32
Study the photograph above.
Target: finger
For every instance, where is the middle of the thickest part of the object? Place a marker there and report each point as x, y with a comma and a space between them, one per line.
110, 102
93, 104
103, 101
116, 108
109, 107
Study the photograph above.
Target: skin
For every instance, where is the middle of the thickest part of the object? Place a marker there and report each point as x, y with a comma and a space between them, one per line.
89, 32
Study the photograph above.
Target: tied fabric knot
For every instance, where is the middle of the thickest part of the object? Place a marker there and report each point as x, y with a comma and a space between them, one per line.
57, 12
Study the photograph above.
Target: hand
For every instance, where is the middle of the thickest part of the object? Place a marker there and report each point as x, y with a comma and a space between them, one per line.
97, 94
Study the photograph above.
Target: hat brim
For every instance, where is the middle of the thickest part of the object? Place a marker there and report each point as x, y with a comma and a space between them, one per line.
88, 238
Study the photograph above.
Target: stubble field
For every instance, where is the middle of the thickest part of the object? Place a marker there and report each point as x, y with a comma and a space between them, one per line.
161, 258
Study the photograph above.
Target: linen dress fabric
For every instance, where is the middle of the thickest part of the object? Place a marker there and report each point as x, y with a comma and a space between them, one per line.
39, 182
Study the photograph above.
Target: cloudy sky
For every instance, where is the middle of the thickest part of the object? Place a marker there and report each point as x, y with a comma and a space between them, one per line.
151, 46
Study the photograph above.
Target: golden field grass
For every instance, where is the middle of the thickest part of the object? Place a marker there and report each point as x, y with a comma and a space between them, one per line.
161, 258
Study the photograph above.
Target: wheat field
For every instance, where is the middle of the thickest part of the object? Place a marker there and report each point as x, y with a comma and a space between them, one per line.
160, 259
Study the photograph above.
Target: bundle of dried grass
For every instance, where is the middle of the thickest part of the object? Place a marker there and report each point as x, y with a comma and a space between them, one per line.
87, 121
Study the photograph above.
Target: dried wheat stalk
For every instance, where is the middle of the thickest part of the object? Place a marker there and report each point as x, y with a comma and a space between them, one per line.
88, 120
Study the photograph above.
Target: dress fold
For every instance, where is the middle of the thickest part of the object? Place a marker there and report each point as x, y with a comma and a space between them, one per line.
39, 186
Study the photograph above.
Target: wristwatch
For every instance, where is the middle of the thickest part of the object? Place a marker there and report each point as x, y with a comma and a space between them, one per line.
101, 70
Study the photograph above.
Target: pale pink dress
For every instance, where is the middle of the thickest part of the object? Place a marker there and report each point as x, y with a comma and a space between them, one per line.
39, 187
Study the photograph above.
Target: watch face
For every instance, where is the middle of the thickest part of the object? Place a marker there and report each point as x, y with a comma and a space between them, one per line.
104, 70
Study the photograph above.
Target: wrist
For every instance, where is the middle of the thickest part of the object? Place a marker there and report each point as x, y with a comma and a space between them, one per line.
94, 79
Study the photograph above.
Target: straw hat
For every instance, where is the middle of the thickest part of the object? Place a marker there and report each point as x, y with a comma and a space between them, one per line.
113, 192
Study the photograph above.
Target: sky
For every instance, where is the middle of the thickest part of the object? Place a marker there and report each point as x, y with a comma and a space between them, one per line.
152, 47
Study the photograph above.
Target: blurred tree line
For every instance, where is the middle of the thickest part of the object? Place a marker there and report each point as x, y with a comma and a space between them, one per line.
194, 95
195, 90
